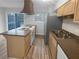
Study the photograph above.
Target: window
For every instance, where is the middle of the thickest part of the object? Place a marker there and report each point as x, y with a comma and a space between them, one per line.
39, 17
15, 20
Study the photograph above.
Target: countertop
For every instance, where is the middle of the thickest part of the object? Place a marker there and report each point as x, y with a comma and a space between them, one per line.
16, 32
69, 46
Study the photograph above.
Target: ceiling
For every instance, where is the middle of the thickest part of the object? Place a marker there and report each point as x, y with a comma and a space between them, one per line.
47, 6
39, 6
42, 6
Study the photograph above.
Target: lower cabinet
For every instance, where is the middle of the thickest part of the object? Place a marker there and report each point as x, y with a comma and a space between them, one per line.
60, 53
55, 49
18, 46
53, 46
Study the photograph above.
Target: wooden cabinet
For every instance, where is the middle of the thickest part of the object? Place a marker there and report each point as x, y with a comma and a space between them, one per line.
27, 43
18, 46
55, 49
69, 8
76, 15
60, 11
53, 46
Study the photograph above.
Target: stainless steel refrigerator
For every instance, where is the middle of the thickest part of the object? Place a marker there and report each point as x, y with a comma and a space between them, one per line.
53, 23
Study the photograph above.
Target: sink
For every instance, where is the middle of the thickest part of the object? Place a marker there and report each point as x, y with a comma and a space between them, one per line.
23, 28
27, 27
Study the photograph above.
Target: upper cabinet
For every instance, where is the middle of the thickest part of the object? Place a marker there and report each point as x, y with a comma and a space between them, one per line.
69, 8
28, 7
76, 15
60, 11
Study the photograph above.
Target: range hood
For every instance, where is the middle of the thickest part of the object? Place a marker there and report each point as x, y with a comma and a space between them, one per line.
28, 7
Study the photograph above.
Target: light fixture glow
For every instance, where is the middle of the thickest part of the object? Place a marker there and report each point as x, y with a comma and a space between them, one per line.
45, 0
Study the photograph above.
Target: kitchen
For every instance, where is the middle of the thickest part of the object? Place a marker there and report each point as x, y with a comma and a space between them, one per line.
39, 29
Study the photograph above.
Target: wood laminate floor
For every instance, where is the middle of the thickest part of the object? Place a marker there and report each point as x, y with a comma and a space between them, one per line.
38, 51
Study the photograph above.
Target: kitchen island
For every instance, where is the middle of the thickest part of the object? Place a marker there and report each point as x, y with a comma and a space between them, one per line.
18, 42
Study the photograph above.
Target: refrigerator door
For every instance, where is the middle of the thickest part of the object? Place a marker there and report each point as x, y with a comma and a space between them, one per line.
53, 24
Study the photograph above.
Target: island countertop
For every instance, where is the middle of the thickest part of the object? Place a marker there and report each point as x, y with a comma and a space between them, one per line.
16, 32
69, 46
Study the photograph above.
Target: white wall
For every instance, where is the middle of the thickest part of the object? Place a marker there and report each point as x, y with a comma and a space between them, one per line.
12, 4
7, 6
2, 20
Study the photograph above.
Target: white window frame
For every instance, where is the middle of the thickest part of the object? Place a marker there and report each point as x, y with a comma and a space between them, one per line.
7, 18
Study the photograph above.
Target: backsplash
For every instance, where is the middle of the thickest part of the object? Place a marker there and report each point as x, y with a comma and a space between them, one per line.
70, 26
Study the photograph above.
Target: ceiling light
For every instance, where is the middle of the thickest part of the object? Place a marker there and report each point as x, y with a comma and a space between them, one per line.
45, 0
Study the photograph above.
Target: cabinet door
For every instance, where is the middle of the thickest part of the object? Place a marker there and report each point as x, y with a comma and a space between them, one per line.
60, 11
52, 46
69, 7
60, 53
27, 43
76, 15
15, 46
